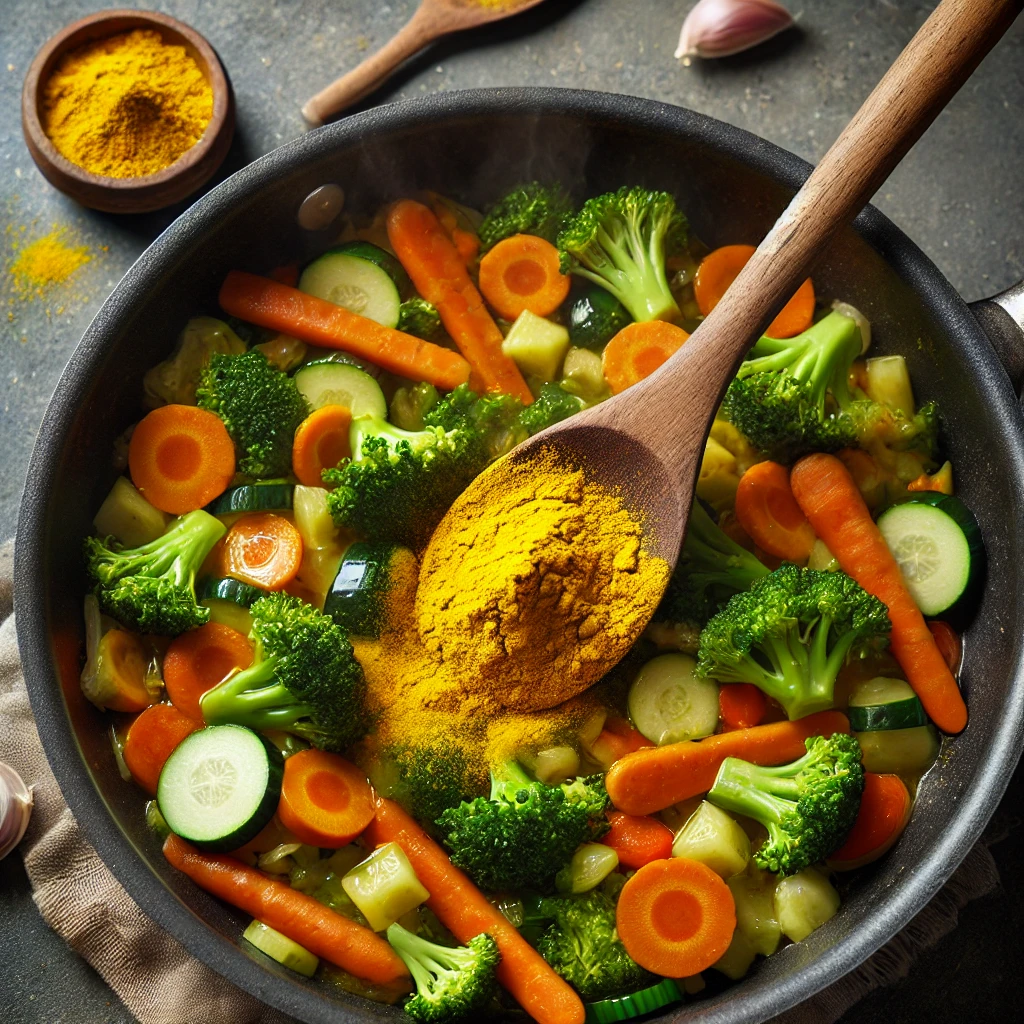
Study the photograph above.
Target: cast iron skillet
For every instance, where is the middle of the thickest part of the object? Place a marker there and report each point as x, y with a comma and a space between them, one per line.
472, 145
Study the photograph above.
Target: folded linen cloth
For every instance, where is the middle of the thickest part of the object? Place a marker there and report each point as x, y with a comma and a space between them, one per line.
161, 983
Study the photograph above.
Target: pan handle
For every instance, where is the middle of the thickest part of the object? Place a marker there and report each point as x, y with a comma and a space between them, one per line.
1002, 319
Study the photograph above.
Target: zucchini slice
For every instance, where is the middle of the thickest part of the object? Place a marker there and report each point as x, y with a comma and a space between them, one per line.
357, 599
347, 277
636, 1004
937, 543
904, 752
220, 787
331, 383
227, 589
388, 262
285, 951
881, 703
669, 702
272, 496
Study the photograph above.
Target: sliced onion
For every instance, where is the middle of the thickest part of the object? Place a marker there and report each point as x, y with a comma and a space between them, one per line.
15, 809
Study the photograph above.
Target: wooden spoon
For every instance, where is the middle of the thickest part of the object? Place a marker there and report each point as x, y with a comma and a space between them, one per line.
433, 19
647, 443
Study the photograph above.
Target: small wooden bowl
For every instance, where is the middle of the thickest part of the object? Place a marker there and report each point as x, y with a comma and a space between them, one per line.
148, 192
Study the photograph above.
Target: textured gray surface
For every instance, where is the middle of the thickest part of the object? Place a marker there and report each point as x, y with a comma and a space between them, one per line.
959, 194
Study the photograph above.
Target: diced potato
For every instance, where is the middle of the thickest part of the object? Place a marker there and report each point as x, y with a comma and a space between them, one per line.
384, 886
715, 839
676, 816
582, 369
753, 892
736, 960
803, 902
719, 476
591, 864
733, 441
537, 346
888, 383
821, 558
128, 517
555, 765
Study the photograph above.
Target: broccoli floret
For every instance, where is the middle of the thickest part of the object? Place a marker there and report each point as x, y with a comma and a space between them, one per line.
875, 423
791, 633
551, 405
411, 404
431, 780
493, 421
525, 831
419, 317
595, 317
304, 678
582, 945
807, 807
620, 241
531, 209
151, 588
260, 406
452, 983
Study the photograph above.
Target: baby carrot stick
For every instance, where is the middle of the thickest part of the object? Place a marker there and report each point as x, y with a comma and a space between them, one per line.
767, 510
325, 800
831, 501
262, 549
638, 350
466, 912
885, 807
637, 839
440, 276
198, 660
352, 947
151, 738
266, 303
321, 442
520, 273
742, 705
652, 779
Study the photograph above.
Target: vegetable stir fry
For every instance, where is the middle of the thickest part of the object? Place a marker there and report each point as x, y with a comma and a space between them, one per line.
257, 631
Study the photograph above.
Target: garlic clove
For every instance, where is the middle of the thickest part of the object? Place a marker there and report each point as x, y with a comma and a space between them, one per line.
15, 809
719, 28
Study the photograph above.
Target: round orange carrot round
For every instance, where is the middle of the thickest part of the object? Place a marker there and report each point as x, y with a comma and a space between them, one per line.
675, 917
151, 738
638, 350
767, 510
742, 705
181, 458
884, 812
325, 800
521, 273
262, 549
198, 660
321, 442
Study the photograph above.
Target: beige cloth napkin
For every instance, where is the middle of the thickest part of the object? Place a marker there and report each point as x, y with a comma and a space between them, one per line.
162, 984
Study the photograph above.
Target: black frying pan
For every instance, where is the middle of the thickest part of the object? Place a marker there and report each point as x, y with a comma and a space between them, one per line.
472, 145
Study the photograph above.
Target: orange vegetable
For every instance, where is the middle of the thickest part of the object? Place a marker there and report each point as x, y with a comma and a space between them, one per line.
126, 664
325, 800
637, 839
742, 705
950, 646
198, 660
653, 779
721, 267
616, 739
321, 442
288, 274
467, 245
151, 738
521, 272
638, 350
263, 549
181, 458
266, 303
464, 910
352, 947
767, 510
885, 807
675, 917
831, 501
440, 276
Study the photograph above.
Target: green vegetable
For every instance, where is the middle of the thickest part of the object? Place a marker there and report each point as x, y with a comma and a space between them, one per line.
552, 404
228, 613
804, 902
151, 588
536, 345
668, 702
637, 1004
888, 383
328, 382
715, 839
807, 806
388, 262
595, 317
791, 633
882, 703
591, 864
228, 589
304, 678
174, 381
582, 946
384, 886
525, 831
452, 983
261, 497
410, 404
260, 406
432, 780
736, 960
583, 376
620, 241
279, 947
358, 597
126, 516
908, 752
753, 893
360, 285
530, 209
418, 317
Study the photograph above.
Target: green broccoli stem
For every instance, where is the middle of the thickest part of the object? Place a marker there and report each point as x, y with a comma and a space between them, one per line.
507, 779
715, 558
427, 960
252, 698
758, 793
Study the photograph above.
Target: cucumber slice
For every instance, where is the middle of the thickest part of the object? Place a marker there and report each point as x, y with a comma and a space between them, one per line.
937, 543
881, 703
360, 285
220, 786
905, 752
389, 263
228, 589
636, 1004
285, 951
262, 497
668, 702
357, 599
330, 383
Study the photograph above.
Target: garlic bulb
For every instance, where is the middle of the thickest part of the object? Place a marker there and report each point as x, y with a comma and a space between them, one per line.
15, 809
719, 28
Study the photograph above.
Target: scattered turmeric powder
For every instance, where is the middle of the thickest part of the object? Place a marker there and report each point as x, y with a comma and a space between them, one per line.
45, 262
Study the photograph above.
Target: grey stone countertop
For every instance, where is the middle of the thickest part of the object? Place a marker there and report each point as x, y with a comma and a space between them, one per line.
959, 194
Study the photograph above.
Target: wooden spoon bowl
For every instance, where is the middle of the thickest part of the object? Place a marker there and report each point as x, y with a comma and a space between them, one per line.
151, 191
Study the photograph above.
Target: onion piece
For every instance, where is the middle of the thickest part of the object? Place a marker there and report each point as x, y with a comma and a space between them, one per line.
720, 28
15, 809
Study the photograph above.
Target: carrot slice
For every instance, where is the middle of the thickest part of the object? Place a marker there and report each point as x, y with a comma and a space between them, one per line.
321, 442
637, 839
522, 272
885, 807
767, 510
829, 497
675, 917
151, 738
638, 350
742, 705
720, 268
440, 276
198, 660
325, 800
263, 549
181, 458
266, 303
616, 739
